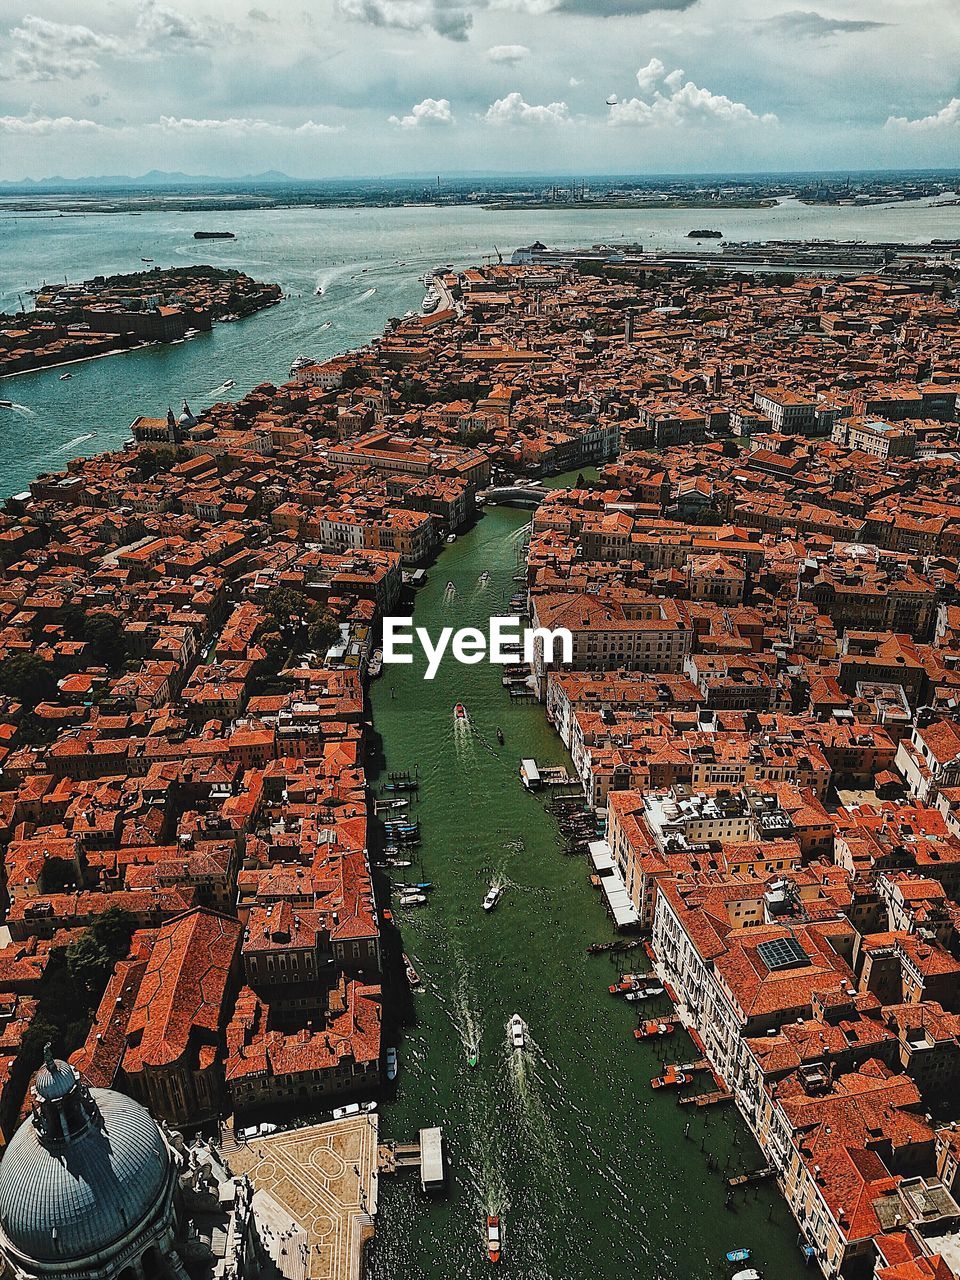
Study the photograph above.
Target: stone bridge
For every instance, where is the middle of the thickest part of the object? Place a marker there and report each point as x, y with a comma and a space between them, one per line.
514, 495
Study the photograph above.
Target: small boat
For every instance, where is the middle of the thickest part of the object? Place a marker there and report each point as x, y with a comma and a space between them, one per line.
65, 376
644, 993
650, 1030
399, 862
516, 1032
473, 1057
738, 1255
6, 404
750, 1273
671, 1080
500, 737
319, 291
412, 899
460, 711
494, 894
484, 577
451, 537
493, 1237
354, 1109
146, 259
391, 1066
412, 976
450, 586
228, 384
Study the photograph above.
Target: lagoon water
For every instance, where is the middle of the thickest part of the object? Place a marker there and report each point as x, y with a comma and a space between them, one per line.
593, 1172
367, 263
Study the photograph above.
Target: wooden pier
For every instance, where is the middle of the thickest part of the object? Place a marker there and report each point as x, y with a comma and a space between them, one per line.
707, 1099
752, 1178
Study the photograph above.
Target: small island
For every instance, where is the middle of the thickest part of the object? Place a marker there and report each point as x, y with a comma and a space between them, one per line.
704, 233
108, 314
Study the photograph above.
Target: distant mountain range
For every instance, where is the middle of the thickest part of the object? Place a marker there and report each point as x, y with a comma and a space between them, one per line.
155, 178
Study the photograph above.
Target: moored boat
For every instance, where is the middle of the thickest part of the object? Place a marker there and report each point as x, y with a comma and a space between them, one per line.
650, 1030
671, 1080
738, 1255
412, 976
644, 993
391, 1065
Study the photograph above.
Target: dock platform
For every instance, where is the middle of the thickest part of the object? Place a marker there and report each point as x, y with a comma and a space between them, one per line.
752, 1178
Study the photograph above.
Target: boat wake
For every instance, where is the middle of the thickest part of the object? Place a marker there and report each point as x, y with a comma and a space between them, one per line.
368, 293
527, 1085
449, 593
22, 409
75, 441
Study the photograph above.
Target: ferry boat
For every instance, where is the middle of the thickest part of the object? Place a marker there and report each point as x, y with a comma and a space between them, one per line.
516, 1032
460, 711
494, 1242
391, 1066
494, 894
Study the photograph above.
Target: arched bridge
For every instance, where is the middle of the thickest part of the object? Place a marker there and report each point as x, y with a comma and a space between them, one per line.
515, 495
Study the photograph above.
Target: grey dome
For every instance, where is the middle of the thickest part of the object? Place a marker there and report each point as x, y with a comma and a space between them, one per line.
68, 1200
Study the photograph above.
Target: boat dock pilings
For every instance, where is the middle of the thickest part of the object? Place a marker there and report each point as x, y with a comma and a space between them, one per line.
706, 1099
427, 1155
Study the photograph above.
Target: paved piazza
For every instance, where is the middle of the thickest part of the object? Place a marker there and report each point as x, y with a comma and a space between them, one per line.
325, 1176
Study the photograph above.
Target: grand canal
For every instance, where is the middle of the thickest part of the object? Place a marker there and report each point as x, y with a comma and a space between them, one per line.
588, 1166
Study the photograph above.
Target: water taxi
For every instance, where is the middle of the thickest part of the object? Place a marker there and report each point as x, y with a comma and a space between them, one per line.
493, 1237
671, 1079
516, 1032
650, 1030
493, 896
644, 993
391, 1065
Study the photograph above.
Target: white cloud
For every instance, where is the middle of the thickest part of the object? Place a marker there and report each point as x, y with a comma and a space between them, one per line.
946, 118
243, 127
161, 27
679, 102
54, 50
429, 112
41, 126
510, 53
445, 18
649, 77
513, 110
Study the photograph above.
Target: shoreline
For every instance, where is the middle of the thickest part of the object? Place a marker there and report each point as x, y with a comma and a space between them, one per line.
126, 351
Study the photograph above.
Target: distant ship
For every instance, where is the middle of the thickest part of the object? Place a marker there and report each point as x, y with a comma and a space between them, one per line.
301, 362
214, 235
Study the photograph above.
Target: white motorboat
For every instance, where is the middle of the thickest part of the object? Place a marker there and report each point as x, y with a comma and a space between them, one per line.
391, 1065
413, 899
493, 896
516, 1032
354, 1109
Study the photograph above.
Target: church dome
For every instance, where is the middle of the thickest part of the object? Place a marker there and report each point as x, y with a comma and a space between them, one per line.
87, 1169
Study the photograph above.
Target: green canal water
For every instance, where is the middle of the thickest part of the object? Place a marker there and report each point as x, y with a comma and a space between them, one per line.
589, 1168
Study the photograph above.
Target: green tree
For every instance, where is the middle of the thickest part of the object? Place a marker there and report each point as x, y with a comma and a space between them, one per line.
91, 957
323, 630
105, 635
26, 677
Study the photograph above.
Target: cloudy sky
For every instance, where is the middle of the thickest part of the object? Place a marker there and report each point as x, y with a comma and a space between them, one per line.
327, 88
